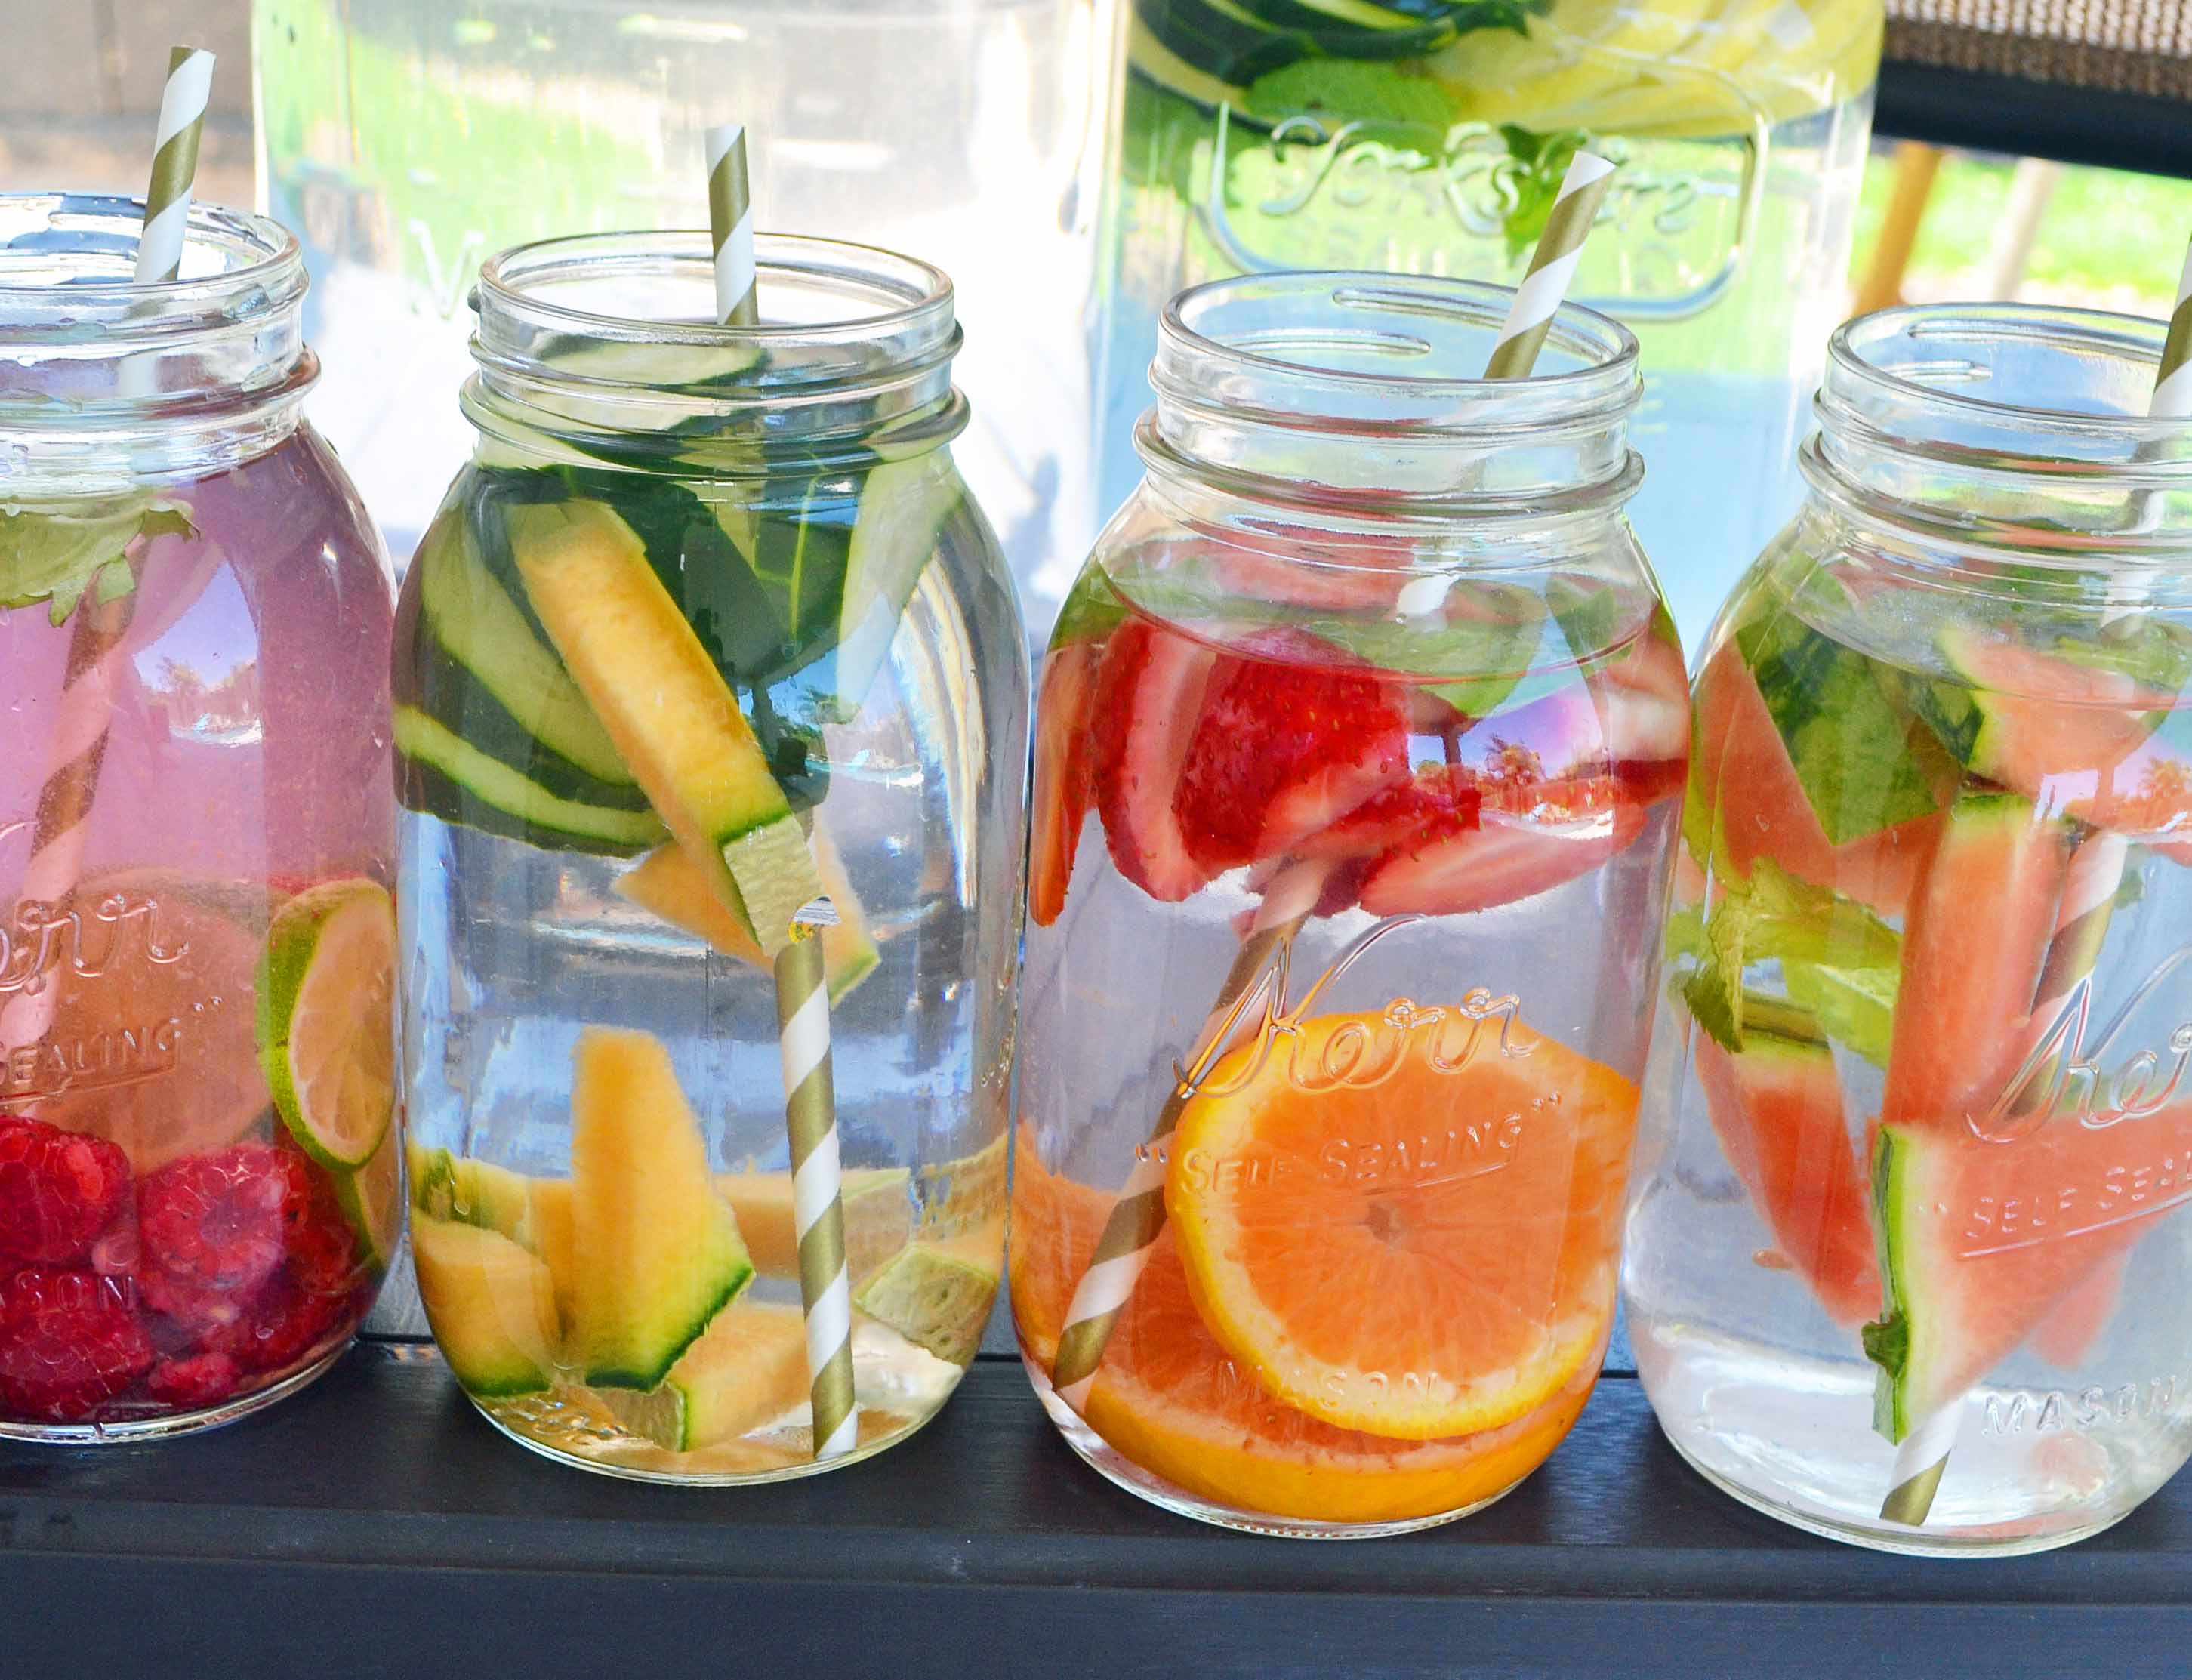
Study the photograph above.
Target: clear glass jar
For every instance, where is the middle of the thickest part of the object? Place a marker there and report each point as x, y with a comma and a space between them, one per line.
676, 544
968, 130
1917, 1178
197, 1160
1425, 139
1359, 745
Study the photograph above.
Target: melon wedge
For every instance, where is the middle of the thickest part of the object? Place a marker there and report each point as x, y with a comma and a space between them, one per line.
749, 1369
1747, 787
666, 882
1980, 921
878, 1217
1776, 1105
1982, 1241
655, 1253
490, 1304
937, 1294
674, 720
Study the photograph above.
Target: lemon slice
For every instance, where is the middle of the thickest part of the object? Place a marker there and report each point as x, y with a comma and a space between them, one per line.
326, 1021
1581, 53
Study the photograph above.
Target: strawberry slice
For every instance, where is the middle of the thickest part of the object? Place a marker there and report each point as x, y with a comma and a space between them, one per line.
1285, 750
1148, 698
1063, 789
1529, 837
1439, 799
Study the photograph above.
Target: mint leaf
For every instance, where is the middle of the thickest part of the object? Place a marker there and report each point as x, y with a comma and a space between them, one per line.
51, 556
1852, 1007
1351, 92
1536, 165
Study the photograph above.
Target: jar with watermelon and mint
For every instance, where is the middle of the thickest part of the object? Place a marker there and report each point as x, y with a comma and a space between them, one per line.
198, 1161
1906, 1261
708, 653
1360, 748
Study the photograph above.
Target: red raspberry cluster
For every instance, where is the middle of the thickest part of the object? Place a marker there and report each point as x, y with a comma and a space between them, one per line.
221, 1268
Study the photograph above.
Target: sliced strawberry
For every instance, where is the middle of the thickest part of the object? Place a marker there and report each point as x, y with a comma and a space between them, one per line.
1438, 797
1284, 751
1148, 698
1062, 792
1507, 855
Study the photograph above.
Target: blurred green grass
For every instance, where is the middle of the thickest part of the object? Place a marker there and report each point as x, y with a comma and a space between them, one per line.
2106, 232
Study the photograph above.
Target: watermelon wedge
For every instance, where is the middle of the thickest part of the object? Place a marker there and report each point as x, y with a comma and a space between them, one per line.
1776, 1105
1982, 1241
2066, 1335
1146, 704
1748, 788
1062, 792
1975, 941
2078, 740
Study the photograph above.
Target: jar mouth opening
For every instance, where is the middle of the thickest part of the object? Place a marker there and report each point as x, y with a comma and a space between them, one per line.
657, 290
1387, 354
1936, 377
82, 247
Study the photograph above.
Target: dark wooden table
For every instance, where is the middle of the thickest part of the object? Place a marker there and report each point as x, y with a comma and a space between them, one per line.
374, 1525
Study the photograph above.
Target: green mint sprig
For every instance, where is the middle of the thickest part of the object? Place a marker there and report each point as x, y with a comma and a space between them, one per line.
55, 558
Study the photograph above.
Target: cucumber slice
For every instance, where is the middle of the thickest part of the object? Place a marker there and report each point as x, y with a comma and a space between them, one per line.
666, 705
1221, 38
1354, 29
904, 508
441, 775
655, 1252
1157, 63
470, 617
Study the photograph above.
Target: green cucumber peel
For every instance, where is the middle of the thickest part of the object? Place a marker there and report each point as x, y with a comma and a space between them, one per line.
53, 556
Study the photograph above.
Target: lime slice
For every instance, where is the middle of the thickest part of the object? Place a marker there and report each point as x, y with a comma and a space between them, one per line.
326, 1026
369, 1199
936, 1295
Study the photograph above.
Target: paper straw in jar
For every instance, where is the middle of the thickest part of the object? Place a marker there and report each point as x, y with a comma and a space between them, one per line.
2081, 927
1131, 1229
76, 748
730, 226
1552, 266
818, 1211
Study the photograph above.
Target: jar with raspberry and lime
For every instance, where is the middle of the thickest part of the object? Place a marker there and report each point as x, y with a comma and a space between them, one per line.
199, 1166
1361, 741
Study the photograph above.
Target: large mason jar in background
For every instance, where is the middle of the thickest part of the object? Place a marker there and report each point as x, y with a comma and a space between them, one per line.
1430, 139
407, 139
1908, 1249
707, 629
197, 1156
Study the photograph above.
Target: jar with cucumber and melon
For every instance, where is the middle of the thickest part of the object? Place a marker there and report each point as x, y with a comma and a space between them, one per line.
707, 636
198, 1169
1907, 1235
1359, 748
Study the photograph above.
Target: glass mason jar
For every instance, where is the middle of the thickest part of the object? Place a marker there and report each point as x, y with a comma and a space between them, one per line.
1359, 745
1430, 138
1928, 1138
198, 1164
709, 630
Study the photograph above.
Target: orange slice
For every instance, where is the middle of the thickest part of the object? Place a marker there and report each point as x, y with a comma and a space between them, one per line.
1168, 1398
1396, 1221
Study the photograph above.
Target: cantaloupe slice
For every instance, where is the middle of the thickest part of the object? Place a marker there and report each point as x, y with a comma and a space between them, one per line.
749, 1368
550, 1233
672, 716
655, 1253
878, 1217
667, 883
490, 1304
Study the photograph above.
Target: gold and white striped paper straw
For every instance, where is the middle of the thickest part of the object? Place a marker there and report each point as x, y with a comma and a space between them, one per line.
183, 104
1122, 1249
818, 1211
2172, 383
1552, 266
730, 226
76, 748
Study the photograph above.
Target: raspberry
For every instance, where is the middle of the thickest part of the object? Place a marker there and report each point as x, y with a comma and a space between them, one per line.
70, 1342
193, 1384
222, 1221
323, 1252
282, 1325
58, 1190
195, 1308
